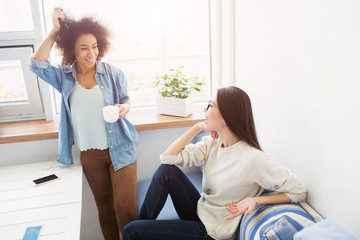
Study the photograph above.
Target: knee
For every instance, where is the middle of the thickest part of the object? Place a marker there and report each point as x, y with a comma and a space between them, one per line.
129, 231
166, 170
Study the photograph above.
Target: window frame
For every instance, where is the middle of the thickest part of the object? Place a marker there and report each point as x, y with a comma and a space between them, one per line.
32, 39
33, 104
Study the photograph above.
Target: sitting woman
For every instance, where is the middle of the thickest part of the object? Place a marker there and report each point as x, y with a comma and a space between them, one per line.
236, 171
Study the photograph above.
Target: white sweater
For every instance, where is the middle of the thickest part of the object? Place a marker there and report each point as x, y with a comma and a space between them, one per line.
233, 173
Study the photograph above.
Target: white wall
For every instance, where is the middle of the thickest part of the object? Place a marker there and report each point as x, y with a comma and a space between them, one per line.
300, 63
152, 144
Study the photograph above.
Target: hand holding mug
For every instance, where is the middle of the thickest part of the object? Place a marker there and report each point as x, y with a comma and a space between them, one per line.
124, 109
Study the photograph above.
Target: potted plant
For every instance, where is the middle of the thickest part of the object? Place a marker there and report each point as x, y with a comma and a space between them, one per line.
176, 92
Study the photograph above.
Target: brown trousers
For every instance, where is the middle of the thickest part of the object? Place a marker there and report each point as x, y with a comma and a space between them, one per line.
114, 191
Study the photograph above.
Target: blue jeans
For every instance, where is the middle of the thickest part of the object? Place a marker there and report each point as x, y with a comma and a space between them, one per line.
168, 179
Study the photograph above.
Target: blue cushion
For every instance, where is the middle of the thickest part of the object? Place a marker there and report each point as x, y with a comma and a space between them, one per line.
278, 221
324, 230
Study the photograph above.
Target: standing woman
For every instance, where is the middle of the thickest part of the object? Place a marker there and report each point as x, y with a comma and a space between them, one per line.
87, 85
236, 171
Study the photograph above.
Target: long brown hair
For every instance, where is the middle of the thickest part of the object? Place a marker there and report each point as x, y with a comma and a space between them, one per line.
235, 108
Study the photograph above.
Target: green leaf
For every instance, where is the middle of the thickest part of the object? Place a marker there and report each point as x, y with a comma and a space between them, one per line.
176, 84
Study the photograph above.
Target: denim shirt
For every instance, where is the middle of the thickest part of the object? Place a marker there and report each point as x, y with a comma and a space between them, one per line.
122, 135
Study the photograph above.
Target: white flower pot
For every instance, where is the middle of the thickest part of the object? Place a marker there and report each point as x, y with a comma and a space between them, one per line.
175, 106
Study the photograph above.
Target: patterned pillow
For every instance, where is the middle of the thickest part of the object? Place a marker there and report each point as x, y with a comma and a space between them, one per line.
278, 221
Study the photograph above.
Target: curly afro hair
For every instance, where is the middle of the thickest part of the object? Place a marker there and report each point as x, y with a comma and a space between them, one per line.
71, 30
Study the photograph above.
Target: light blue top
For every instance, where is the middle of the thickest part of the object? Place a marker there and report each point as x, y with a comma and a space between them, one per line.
87, 119
122, 135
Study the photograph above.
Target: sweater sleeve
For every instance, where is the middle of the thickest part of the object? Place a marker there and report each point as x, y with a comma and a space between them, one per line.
268, 174
192, 154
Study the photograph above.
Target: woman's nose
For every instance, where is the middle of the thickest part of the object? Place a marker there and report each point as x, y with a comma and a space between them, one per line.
92, 52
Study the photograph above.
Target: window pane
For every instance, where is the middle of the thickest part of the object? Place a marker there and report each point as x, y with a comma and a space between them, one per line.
149, 38
12, 85
19, 89
15, 15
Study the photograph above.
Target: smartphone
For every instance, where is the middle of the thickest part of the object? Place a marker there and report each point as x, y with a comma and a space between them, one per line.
45, 179
32, 233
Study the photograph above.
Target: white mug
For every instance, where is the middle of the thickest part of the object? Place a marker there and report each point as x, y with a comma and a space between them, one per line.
111, 113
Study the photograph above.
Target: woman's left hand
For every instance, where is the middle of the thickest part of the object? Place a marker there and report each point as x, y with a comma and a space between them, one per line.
124, 109
245, 206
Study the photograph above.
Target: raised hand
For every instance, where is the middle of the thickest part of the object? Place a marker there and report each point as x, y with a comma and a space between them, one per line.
43, 51
57, 16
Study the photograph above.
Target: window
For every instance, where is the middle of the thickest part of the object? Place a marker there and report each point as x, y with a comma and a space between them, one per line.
19, 93
19, 88
15, 16
149, 38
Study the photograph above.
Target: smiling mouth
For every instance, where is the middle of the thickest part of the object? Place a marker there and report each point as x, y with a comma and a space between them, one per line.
90, 60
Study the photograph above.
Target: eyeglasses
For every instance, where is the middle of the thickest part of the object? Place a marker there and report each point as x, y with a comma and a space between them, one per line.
210, 106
